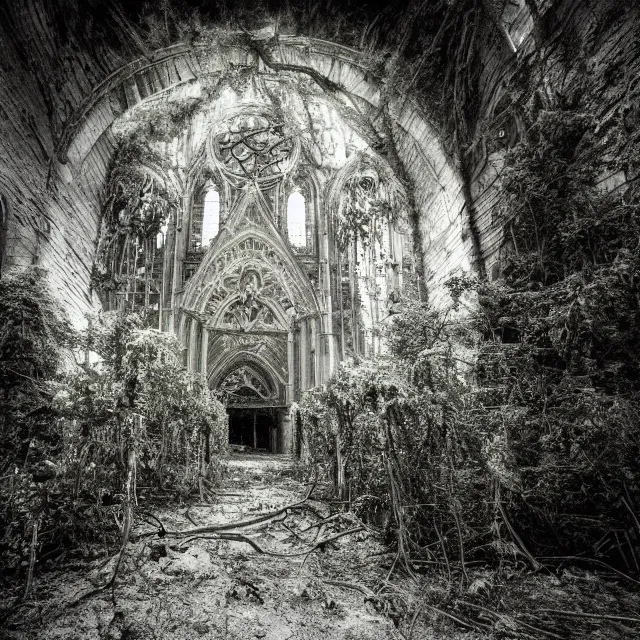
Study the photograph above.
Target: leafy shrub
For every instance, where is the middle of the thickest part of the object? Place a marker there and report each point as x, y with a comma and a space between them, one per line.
403, 438
538, 457
69, 433
569, 309
36, 336
142, 379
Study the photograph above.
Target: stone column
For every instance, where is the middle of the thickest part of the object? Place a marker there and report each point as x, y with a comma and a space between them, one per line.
181, 231
327, 328
291, 368
204, 351
287, 432
304, 356
192, 356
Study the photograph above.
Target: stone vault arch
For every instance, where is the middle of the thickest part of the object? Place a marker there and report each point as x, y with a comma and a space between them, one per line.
176, 70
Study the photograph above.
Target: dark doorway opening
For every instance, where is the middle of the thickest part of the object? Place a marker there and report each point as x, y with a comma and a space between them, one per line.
255, 428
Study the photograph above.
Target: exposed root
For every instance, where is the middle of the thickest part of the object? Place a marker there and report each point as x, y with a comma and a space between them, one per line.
240, 537
354, 587
593, 616
126, 534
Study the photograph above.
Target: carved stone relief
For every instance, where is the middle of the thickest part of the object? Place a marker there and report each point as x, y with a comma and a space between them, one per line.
253, 148
249, 310
251, 278
247, 383
225, 348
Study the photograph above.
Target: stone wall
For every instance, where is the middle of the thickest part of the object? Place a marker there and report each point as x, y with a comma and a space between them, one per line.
57, 104
53, 215
580, 54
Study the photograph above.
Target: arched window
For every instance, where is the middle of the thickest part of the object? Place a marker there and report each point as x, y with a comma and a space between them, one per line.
210, 217
162, 234
297, 220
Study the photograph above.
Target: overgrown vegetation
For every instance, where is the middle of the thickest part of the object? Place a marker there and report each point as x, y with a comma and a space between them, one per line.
395, 438
511, 435
82, 442
137, 204
569, 311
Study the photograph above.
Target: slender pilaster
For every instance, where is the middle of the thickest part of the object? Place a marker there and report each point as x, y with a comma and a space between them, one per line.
304, 356
181, 233
192, 356
290, 367
204, 351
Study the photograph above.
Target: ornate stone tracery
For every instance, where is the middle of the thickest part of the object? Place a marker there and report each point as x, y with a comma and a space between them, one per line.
250, 294
246, 382
251, 276
267, 308
248, 310
254, 148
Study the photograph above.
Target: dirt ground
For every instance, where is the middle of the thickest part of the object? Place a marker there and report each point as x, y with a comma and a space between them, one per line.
177, 587
180, 588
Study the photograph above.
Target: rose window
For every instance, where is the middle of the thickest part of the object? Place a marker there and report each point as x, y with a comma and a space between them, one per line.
254, 149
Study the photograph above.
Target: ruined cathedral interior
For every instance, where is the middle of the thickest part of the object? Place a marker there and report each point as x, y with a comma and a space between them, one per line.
222, 180
249, 268
256, 281
235, 236
319, 319
220, 185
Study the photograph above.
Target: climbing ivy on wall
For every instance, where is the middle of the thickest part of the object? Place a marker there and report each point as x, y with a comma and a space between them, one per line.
562, 332
537, 459
135, 206
80, 432
360, 212
370, 197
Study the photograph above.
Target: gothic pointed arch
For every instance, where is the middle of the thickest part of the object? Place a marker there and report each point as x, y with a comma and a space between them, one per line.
303, 186
381, 183
250, 272
245, 378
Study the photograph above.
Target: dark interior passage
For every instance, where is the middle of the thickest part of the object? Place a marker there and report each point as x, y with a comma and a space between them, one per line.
254, 428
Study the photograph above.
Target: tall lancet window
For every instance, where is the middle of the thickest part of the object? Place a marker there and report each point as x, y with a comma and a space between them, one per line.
210, 217
297, 220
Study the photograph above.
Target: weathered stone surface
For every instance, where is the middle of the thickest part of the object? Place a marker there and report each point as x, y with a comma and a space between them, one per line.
58, 104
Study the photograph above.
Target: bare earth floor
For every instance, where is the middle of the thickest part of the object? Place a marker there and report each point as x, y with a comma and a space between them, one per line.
184, 587
171, 588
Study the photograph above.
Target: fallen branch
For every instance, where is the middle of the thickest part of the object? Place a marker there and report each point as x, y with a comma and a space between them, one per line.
471, 624
414, 619
233, 536
627, 504
242, 523
592, 561
536, 566
291, 531
321, 522
32, 558
499, 616
161, 531
189, 518
354, 587
593, 616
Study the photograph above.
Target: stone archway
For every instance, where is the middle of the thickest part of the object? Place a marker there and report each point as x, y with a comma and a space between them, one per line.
174, 73
253, 396
245, 299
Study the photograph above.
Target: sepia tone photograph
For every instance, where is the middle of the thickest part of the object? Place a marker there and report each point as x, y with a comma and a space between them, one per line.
319, 319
